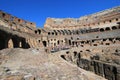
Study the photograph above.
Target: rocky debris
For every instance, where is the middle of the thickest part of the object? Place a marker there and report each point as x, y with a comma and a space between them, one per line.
35, 64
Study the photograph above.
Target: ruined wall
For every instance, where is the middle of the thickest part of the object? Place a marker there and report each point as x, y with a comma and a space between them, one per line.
16, 39
98, 20
105, 69
15, 23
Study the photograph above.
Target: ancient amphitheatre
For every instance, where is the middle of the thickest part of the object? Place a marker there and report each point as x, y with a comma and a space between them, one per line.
85, 48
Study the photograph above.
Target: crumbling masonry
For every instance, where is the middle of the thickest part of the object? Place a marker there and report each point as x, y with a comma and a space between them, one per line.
92, 42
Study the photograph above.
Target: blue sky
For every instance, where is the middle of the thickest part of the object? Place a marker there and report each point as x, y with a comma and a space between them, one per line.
38, 10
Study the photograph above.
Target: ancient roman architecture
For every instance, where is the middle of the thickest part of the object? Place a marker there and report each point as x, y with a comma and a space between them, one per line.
92, 42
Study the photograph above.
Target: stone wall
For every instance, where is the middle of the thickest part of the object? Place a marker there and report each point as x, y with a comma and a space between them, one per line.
14, 39
98, 20
15, 23
108, 70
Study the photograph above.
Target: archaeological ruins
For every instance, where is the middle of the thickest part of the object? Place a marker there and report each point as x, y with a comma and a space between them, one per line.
91, 42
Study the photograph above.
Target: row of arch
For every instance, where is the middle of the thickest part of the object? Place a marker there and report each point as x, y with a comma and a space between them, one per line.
81, 31
109, 28
38, 31
12, 41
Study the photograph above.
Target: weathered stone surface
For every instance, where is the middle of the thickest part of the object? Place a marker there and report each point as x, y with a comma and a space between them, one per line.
26, 65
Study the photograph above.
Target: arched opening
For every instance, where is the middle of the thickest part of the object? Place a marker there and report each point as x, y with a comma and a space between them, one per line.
67, 52
87, 42
69, 32
69, 42
66, 32
44, 43
73, 31
82, 42
73, 43
75, 53
107, 28
25, 44
58, 42
63, 32
107, 43
55, 32
111, 39
18, 20
52, 33
77, 32
114, 27
101, 30
59, 32
110, 21
104, 39
15, 40
116, 19
48, 33
3, 14
54, 44
2, 41
35, 31
39, 31
39, 41
94, 44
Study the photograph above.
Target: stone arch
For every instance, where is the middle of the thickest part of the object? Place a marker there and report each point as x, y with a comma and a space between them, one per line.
73, 31
58, 42
116, 19
69, 32
44, 43
48, 33
39, 31
77, 32
16, 41
55, 32
114, 27
102, 30
75, 53
63, 32
52, 33
107, 28
73, 43
24, 43
59, 32
3, 41
69, 42
35, 31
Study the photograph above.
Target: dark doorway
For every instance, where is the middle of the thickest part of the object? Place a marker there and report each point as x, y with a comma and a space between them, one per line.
114, 27
107, 28
101, 30
58, 42
69, 42
2, 43
44, 43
